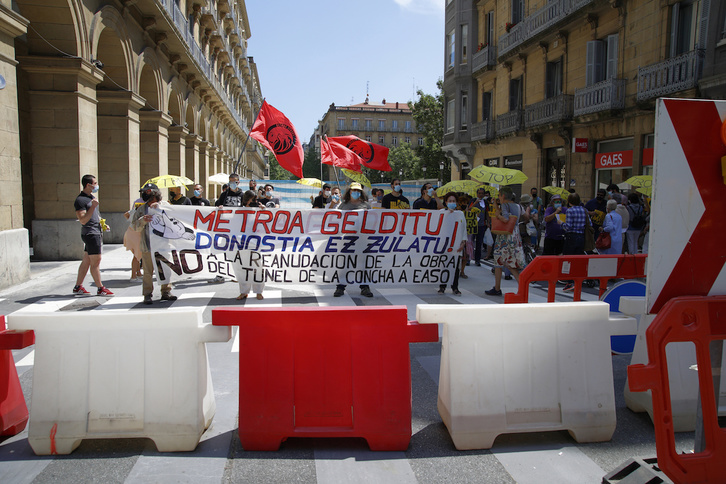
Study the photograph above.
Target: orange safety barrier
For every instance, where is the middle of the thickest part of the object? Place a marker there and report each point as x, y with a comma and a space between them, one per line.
701, 320
13, 411
577, 268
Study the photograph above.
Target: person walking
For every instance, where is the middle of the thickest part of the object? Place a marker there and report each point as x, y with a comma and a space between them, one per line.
354, 199
507, 247
89, 215
612, 224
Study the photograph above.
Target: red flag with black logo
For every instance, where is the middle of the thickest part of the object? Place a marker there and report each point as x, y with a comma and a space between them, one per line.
334, 153
371, 155
277, 134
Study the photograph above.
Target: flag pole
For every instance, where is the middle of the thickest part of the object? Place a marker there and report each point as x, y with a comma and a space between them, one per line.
337, 180
236, 165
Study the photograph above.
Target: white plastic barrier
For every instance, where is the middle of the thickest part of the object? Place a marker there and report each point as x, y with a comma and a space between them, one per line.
526, 368
683, 380
120, 374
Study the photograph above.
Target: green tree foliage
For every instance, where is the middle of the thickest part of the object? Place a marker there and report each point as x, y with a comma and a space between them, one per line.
276, 171
404, 159
311, 165
428, 112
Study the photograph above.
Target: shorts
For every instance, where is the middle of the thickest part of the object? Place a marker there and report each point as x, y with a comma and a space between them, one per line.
93, 243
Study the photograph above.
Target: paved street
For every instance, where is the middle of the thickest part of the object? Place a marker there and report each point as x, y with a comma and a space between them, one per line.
431, 457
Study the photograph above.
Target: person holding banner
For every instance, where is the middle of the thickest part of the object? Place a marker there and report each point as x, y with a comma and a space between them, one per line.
335, 200
395, 200
452, 203
354, 199
233, 196
250, 267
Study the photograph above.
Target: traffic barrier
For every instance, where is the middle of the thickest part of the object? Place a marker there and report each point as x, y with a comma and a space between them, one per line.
13, 411
526, 368
577, 268
324, 372
700, 320
115, 374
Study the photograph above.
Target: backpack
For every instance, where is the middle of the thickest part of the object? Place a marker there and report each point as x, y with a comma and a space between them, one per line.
637, 220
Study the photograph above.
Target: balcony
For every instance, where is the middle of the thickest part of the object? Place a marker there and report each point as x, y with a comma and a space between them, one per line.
552, 110
484, 58
510, 122
672, 75
545, 17
603, 96
483, 131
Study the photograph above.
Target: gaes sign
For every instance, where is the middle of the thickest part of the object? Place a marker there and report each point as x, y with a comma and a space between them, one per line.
616, 159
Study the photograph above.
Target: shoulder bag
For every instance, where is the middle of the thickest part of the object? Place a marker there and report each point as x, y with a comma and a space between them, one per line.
504, 228
603, 240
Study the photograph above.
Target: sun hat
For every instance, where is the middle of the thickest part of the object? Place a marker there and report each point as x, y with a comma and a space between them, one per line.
526, 198
356, 186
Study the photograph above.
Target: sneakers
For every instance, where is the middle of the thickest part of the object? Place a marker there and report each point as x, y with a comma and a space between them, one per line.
569, 287
366, 291
80, 291
493, 292
147, 299
339, 291
103, 291
216, 280
168, 297
507, 278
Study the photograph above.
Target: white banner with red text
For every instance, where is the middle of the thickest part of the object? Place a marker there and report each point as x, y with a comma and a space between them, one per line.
381, 247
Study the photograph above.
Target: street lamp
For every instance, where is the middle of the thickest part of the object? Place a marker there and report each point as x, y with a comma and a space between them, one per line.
441, 172
400, 173
424, 172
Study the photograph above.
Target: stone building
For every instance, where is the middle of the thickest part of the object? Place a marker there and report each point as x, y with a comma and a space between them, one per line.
124, 90
565, 89
387, 124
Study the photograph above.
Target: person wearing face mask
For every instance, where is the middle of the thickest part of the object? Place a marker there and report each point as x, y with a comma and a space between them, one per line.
395, 200
324, 198
255, 271
597, 208
451, 201
270, 200
335, 199
89, 215
176, 197
554, 239
354, 199
197, 199
426, 201
233, 196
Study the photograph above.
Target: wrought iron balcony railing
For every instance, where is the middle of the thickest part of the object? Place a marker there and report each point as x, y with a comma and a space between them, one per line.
483, 131
510, 122
552, 110
671, 75
483, 58
602, 96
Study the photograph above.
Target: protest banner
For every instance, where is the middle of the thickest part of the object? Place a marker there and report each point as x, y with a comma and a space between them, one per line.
382, 247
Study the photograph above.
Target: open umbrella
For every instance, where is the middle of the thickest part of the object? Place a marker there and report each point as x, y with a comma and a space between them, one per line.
557, 191
310, 182
168, 181
469, 187
498, 176
219, 178
643, 181
357, 177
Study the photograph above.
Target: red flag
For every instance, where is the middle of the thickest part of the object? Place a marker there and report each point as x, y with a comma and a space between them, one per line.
334, 153
372, 155
277, 134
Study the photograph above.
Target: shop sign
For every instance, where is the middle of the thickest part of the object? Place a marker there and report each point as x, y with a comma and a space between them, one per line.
579, 145
616, 159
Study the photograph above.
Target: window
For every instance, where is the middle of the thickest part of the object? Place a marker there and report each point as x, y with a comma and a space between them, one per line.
517, 11
490, 28
420, 141
464, 42
515, 94
450, 48
407, 140
395, 141
601, 60
464, 110
381, 140
191, 23
450, 107
486, 106
683, 27
394, 125
368, 138
381, 124
369, 125
408, 126
354, 123
553, 83
341, 123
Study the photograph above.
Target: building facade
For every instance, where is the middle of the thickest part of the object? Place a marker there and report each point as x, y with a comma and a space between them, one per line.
565, 90
387, 124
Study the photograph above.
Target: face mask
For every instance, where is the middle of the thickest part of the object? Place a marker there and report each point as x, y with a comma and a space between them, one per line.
398, 188
355, 195
558, 205
326, 193
145, 196
431, 192
336, 197
610, 194
95, 189
380, 198
233, 185
197, 193
172, 194
451, 205
269, 194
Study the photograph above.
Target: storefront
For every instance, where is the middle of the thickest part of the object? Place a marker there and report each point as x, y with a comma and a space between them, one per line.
614, 163
514, 162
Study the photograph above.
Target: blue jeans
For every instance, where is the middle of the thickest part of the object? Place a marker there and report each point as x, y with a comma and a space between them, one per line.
574, 244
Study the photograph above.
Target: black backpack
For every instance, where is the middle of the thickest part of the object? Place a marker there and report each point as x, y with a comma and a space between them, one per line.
637, 220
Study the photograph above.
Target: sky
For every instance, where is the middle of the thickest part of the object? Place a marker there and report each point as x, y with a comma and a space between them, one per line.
312, 54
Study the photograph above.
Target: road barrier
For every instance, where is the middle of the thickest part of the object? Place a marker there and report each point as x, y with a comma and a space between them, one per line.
577, 268
526, 368
324, 372
13, 411
701, 321
116, 374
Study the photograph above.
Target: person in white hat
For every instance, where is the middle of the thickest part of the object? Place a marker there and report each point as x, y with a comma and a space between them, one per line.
354, 199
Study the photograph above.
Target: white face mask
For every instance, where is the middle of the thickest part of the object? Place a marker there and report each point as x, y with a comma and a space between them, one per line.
326, 193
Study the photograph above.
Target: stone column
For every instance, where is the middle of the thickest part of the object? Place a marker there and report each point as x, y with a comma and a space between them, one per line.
204, 168
213, 167
191, 159
177, 151
154, 144
63, 136
119, 157
14, 244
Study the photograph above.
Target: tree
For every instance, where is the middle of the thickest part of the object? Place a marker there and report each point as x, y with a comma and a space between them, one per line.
404, 159
428, 112
311, 164
276, 171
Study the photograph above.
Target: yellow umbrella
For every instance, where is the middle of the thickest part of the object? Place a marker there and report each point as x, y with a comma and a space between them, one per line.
640, 180
356, 177
311, 182
469, 187
498, 176
647, 191
557, 191
168, 181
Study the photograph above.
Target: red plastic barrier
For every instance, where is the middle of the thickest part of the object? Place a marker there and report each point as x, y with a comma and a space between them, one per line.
700, 319
13, 411
325, 372
577, 268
